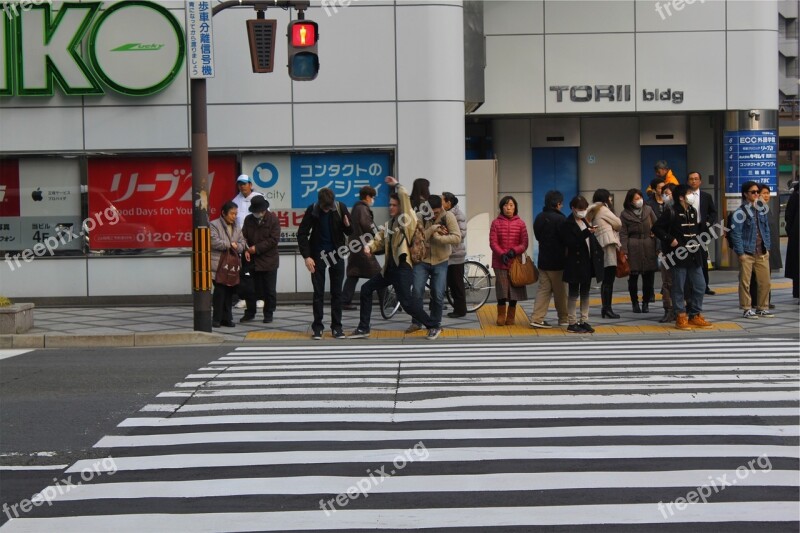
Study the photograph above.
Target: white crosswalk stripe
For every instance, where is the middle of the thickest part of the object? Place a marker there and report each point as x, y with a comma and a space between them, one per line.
606, 436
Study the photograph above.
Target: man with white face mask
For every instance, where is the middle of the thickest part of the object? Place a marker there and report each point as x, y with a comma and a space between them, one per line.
706, 210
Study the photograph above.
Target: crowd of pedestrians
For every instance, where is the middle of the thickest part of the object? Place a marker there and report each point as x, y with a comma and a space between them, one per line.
665, 229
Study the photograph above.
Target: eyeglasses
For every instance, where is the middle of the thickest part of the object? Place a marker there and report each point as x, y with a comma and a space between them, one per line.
754, 191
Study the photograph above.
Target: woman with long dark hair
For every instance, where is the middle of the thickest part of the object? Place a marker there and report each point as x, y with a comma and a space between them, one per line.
607, 233
508, 238
420, 191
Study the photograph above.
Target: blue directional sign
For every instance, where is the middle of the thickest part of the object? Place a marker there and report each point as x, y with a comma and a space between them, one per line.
750, 156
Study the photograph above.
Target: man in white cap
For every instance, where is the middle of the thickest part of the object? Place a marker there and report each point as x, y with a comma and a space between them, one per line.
242, 200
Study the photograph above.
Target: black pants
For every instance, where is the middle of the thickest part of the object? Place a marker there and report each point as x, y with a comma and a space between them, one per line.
349, 289
455, 282
266, 289
648, 279
318, 281
222, 302
401, 278
705, 265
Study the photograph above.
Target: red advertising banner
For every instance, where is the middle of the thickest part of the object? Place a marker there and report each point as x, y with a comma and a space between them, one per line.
153, 198
9, 187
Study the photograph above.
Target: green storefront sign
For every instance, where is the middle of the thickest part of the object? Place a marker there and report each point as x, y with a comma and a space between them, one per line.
135, 48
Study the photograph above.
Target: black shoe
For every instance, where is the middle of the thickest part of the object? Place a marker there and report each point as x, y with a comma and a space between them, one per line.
575, 328
636, 308
247, 318
586, 327
267, 319
317, 336
216, 324
453, 314
645, 307
227, 324
338, 334
359, 333
710, 292
608, 313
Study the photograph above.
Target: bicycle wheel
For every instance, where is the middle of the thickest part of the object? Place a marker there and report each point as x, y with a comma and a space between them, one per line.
390, 304
477, 285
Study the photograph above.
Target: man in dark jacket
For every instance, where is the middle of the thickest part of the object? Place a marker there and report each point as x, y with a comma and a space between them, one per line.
679, 228
707, 213
359, 264
322, 238
546, 229
262, 231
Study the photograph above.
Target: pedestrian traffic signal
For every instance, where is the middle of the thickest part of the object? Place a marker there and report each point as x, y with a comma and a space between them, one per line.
303, 59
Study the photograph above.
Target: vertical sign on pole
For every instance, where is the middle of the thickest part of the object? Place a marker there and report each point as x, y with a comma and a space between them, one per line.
199, 39
750, 156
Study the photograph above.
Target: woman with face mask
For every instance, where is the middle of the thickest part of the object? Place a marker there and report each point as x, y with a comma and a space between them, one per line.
608, 226
584, 261
639, 246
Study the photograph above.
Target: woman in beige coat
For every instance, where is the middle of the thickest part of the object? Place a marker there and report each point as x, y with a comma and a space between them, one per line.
607, 233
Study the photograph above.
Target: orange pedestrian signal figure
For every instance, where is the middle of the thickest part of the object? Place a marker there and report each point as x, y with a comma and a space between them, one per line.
303, 59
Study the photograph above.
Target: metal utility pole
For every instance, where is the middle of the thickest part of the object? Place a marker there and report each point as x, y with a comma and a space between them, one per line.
201, 235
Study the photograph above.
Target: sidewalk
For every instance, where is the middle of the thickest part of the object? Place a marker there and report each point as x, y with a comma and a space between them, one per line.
154, 326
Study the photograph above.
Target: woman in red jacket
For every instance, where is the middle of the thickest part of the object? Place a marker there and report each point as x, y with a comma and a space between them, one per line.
508, 238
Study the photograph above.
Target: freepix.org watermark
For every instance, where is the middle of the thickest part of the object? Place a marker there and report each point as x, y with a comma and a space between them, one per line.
51, 243
676, 5
61, 487
374, 478
13, 9
331, 5
715, 486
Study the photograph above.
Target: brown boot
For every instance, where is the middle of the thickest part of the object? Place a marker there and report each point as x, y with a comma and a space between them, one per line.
501, 315
699, 321
512, 311
682, 321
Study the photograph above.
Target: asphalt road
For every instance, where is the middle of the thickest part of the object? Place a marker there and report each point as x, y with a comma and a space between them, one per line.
56, 404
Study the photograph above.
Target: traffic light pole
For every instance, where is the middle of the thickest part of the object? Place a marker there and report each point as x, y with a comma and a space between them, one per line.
201, 236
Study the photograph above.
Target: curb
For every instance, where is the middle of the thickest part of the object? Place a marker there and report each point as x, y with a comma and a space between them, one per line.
130, 340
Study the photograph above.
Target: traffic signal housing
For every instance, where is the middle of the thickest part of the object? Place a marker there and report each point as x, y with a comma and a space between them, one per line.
303, 59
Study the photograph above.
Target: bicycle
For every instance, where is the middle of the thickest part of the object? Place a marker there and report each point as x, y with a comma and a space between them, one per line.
477, 285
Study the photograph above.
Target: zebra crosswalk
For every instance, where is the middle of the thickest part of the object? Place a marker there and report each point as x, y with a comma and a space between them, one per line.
600, 435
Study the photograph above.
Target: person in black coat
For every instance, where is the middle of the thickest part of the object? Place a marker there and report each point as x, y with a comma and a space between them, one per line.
583, 261
707, 213
322, 234
546, 229
792, 217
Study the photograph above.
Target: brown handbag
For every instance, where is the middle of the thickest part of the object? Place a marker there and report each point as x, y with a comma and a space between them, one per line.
522, 271
623, 268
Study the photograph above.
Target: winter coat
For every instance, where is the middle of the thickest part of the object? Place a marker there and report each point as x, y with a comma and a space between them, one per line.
581, 262
677, 223
309, 232
636, 240
607, 232
458, 253
359, 264
220, 241
507, 234
397, 233
439, 246
792, 216
264, 234
546, 229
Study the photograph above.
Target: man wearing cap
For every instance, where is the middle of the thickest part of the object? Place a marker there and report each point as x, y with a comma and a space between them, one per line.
245, 196
262, 231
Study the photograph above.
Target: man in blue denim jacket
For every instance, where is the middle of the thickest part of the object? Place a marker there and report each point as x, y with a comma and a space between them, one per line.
751, 239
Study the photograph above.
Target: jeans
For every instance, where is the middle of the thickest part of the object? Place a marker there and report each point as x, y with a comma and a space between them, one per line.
438, 276
318, 282
693, 305
401, 279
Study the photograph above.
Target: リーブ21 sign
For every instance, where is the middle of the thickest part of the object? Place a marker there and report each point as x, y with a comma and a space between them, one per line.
135, 47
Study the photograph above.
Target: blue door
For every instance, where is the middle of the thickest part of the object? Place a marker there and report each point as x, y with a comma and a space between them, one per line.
553, 169
675, 155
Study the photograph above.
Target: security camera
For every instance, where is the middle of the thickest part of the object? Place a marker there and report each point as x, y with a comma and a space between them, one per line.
755, 115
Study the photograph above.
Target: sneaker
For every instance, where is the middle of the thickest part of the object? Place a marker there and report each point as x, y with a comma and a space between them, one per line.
413, 328
359, 333
587, 327
763, 313
699, 322
260, 304
338, 334
575, 328
241, 304
433, 334
317, 336
563, 324
543, 324
750, 314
